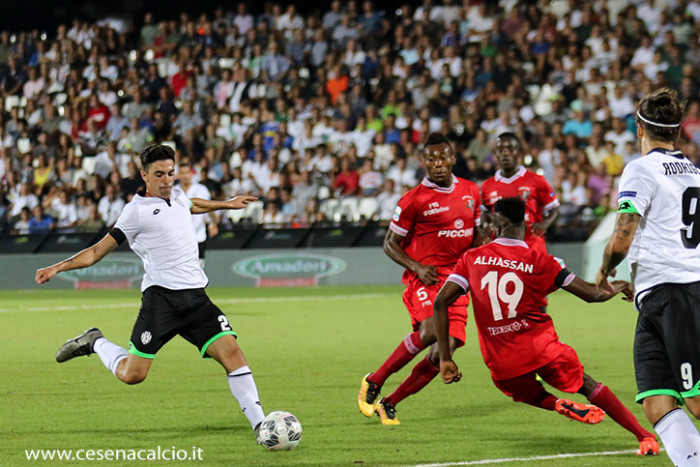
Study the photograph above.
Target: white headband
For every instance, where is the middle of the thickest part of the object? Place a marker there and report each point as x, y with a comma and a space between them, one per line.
665, 125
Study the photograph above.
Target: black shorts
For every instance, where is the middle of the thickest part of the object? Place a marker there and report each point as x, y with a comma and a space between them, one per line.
202, 247
165, 313
667, 342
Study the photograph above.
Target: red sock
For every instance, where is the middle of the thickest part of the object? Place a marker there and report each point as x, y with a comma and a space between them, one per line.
403, 354
422, 374
606, 400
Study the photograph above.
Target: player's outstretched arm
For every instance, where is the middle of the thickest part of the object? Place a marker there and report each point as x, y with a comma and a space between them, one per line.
83, 259
394, 250
448, 294
590, 293
201, 206
617, 247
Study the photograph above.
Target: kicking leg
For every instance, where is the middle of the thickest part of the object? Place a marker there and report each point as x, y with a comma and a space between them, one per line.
600, 395
226, 351
129, 368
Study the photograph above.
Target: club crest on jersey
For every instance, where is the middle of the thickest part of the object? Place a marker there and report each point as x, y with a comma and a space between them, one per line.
468, 202
524, 192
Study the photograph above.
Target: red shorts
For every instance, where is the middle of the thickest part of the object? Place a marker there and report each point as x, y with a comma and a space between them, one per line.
565, 373
419, 299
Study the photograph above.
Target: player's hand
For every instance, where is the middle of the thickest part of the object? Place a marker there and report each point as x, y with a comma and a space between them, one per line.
626, 288
450, 372
601, 281
45, 274
239, 202
539, 228
427, 274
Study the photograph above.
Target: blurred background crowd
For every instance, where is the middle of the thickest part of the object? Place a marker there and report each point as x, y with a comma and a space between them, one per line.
322, 115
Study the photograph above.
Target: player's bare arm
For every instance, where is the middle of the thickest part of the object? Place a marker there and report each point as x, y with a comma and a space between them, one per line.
617, 247
393, 249
590, 293
540, 228
83, 259
448, 294
202, 206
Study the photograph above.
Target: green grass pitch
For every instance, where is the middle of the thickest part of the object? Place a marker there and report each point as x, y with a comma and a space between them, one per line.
308, 349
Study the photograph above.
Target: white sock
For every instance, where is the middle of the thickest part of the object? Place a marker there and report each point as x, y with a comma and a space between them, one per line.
244, 390
110, 354
680, 437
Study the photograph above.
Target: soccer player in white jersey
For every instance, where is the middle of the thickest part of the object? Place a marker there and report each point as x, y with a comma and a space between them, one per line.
658, 229
159, 230
204, 223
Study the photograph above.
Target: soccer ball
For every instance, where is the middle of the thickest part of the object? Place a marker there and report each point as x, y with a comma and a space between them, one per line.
280, 431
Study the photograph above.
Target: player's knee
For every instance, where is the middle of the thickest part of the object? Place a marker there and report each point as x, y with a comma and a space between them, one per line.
132, 376
693, 405
655, 407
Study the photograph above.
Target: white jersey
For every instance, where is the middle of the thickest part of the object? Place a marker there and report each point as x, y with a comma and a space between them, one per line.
664, 188
196, 190
160, 232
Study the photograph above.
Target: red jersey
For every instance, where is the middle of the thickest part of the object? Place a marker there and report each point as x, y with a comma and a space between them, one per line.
528, 186
437, 223
508, 283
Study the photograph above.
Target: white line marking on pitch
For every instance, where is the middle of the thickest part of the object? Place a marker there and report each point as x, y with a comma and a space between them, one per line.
527, 459
225, 301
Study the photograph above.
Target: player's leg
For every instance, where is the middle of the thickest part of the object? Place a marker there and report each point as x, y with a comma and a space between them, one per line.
416, 297
429, 367
667, 367
127, 367
226, 351
208, 328
600, 395
565, 373
526, 389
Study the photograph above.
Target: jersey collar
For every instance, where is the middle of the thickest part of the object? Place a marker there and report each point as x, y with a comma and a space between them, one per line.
675, 153
433, 186
510, 242
500, 178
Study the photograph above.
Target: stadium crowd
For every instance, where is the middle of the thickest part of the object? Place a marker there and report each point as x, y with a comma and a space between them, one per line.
333, 105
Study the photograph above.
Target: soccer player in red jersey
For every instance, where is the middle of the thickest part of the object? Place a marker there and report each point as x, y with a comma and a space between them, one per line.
433, 225
512, 179
508, 282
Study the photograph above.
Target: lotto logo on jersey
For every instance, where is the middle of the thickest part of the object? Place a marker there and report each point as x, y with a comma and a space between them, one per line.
524, 192
457, 233
397, 214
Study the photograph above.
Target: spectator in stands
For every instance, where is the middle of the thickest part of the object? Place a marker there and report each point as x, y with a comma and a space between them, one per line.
387, 201
40, 222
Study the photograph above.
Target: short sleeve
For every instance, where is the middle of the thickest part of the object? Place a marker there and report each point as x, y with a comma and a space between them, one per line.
128, 222
558, 275
635, 189
404, 216
179, 196
478, 206
546, 196
460, 274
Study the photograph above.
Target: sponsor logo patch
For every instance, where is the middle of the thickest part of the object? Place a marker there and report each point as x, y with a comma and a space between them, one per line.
627, 194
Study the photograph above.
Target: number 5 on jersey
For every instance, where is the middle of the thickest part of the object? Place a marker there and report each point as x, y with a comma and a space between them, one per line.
498, 292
